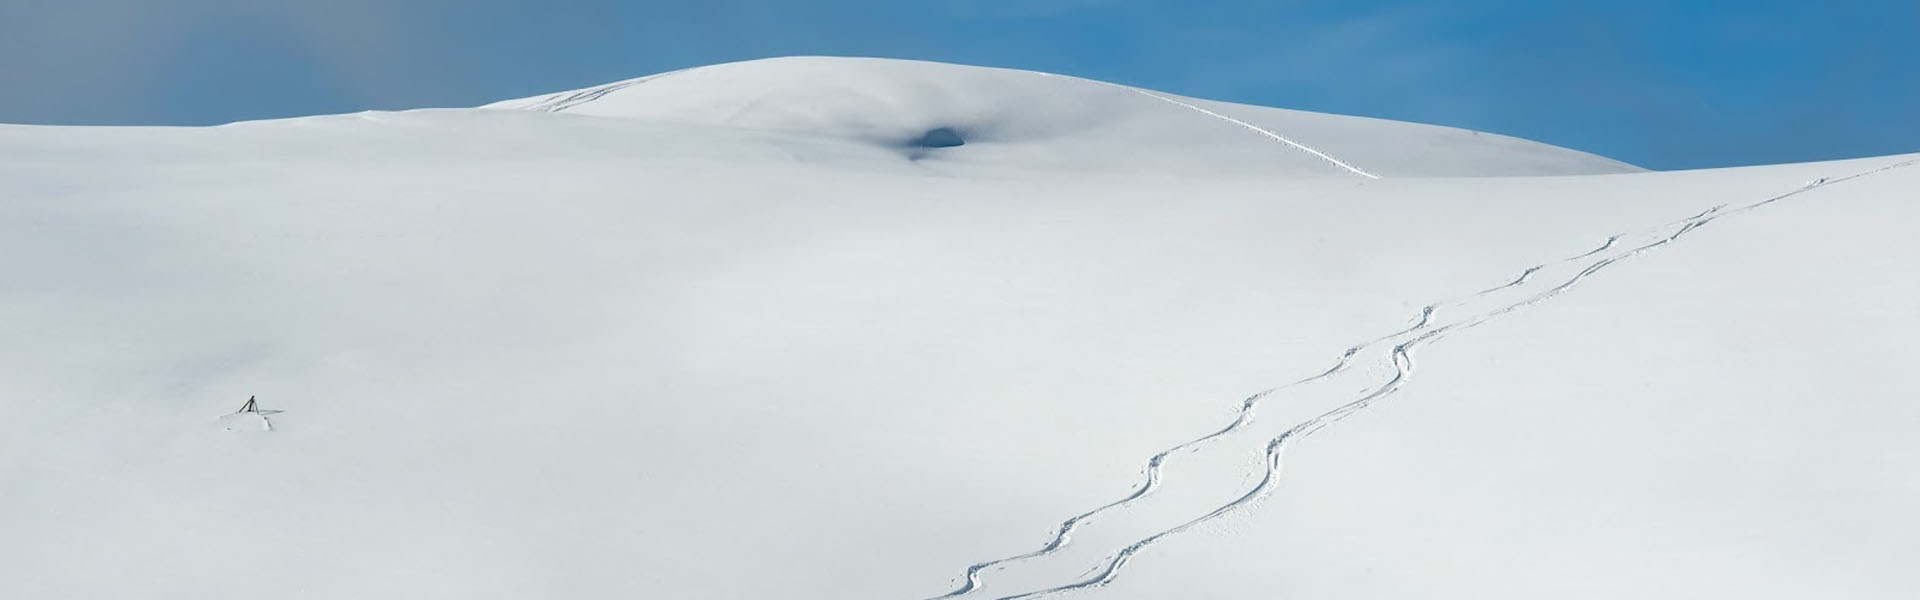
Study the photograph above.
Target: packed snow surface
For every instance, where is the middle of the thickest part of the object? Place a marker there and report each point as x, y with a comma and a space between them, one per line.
854, 328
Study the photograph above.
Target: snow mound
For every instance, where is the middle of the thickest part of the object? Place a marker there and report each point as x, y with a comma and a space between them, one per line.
998, 120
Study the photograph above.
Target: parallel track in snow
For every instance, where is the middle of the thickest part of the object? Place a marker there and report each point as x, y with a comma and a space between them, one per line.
972, 577
1401, 360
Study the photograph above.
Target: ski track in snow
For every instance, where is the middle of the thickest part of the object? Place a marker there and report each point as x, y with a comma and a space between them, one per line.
565, 100
971, 579
1249, 126
1258, 129
1401, 358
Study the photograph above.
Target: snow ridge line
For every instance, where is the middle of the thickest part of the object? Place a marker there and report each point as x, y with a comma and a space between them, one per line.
1402, 360
1255, 128
1155, 465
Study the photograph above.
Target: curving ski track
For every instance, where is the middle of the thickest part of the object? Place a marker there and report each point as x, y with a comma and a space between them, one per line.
1064, 532
971, 579
1403, 370
1402, 361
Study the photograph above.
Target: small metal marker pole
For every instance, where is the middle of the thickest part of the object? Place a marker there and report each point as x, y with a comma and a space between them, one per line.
253, 406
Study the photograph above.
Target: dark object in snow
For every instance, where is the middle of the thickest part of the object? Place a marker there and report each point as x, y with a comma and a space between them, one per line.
939, 138
253, 406
250, 417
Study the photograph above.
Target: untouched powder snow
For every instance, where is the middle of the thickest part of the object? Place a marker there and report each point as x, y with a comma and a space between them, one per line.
760, 330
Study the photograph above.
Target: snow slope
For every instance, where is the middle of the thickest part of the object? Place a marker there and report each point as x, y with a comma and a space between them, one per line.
647, 353
1050, 124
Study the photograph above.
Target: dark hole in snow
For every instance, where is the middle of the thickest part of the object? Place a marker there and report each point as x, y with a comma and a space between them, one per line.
939, 138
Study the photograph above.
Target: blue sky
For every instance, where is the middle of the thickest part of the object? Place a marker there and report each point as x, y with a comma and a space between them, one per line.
1663, 84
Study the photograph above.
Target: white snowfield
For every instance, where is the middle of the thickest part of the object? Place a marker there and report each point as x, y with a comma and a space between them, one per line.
761, 330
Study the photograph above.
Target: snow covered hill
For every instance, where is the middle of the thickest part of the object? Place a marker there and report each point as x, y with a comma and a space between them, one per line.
726, 333
990, 121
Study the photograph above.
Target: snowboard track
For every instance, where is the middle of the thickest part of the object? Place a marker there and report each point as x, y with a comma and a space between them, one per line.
1401, 359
